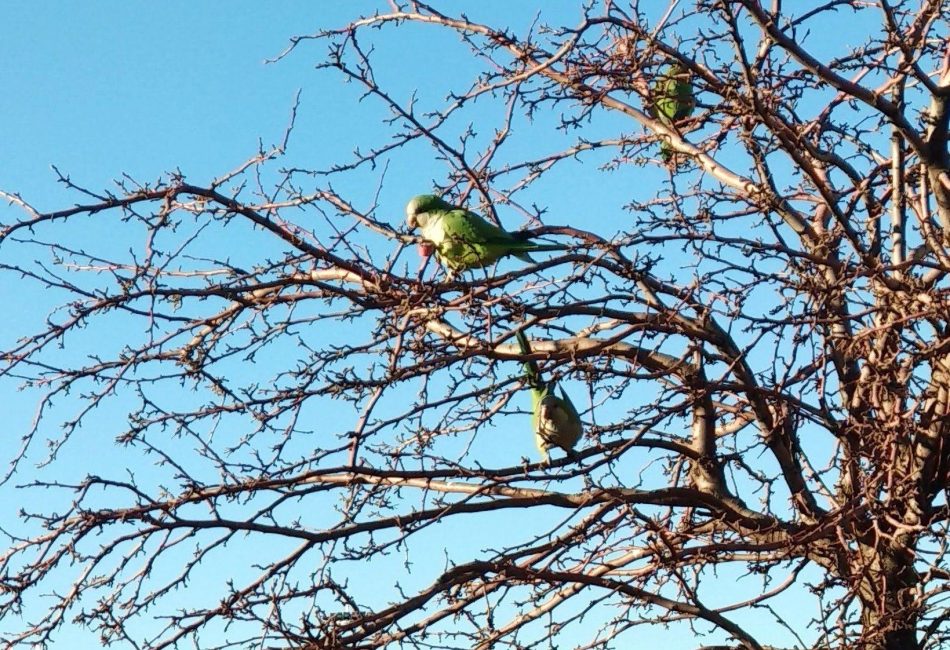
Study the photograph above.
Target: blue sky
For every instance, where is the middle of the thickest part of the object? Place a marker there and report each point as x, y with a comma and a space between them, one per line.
104, 88
110, 88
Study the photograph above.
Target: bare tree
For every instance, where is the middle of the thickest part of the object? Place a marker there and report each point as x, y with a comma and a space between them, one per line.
763, 335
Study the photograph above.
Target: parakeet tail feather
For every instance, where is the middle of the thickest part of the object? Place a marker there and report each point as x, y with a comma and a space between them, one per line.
531, 372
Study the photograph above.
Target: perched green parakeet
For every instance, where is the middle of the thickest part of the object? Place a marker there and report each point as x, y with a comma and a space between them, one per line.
673, 100
555, 421
462, 239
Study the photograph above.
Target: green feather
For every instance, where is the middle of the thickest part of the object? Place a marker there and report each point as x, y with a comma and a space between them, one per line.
462, 239
530, 365
673, 97
555, 420
673, 100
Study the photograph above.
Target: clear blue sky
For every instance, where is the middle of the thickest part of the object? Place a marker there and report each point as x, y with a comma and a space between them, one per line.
102, 89
109, 87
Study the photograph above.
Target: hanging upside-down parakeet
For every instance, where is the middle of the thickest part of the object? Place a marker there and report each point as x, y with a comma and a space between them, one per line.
462, 239
555, 421
673, 100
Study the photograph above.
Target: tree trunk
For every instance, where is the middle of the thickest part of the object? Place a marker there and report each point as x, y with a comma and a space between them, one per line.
890, 609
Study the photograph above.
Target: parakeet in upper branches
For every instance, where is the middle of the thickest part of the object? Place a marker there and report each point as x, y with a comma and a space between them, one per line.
673, 99
462, 239
673, 94
555, 421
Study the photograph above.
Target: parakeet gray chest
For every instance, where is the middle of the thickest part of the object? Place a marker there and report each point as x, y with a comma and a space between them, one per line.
553, 416
433, 230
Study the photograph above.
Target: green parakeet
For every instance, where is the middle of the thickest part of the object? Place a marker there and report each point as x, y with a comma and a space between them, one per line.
673, 100
462, 239
555, 421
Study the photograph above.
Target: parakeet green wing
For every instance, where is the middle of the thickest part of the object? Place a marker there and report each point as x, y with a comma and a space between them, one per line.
673, 94
470, 241
673, 100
